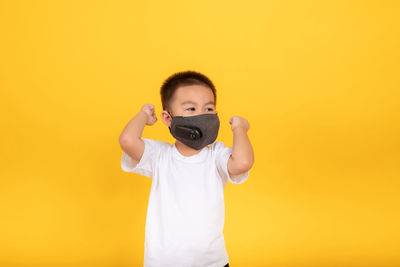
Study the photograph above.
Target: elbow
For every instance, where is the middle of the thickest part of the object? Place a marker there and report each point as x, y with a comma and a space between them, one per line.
242, 164
123, 141
249, 164
245, 165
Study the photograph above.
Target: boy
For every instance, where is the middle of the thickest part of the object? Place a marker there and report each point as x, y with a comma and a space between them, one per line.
186, 210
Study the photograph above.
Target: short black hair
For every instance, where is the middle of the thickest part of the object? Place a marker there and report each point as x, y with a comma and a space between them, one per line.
183, 78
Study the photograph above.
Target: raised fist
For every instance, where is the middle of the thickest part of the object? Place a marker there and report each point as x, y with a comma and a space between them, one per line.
151, 115
239, 122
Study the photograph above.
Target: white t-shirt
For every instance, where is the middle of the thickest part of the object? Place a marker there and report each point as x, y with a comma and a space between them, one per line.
186, 209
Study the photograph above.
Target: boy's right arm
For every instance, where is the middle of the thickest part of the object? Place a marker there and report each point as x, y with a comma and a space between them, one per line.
130, 138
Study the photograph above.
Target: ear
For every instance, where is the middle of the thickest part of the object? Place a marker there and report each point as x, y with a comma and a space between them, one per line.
166, 118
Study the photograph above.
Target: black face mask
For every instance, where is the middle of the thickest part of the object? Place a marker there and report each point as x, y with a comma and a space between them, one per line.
195, 131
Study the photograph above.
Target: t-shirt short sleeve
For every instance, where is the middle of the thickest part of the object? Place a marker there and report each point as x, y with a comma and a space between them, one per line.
222, 154
149, 160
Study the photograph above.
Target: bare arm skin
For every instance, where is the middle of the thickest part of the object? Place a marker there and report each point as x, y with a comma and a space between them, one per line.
130, 138
242, 157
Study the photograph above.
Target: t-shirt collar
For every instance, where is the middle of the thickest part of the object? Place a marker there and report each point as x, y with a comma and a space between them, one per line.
201, 156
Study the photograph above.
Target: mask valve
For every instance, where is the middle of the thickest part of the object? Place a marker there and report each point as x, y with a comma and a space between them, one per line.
191, 133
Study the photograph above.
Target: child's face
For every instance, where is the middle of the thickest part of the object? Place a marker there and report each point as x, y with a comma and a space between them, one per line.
192, 100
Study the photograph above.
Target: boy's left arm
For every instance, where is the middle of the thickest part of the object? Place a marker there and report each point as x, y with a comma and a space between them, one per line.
242, 157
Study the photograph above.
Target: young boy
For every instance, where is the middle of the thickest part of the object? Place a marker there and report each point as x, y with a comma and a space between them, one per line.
186, 209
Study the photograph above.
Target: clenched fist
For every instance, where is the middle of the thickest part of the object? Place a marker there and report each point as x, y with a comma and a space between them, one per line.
239, 122
151, 115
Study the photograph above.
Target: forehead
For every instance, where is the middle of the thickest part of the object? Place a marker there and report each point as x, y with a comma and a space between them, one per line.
194, 94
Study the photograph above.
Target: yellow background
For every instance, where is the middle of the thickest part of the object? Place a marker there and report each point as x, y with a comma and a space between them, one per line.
317, 80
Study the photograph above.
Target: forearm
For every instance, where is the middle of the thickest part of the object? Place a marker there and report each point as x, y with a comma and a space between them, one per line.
242, 151
134, 129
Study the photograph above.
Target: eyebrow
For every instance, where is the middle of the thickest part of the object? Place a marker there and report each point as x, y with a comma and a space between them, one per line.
193, 103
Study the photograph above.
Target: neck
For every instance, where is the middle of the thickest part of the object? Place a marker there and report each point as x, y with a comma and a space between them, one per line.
185, 150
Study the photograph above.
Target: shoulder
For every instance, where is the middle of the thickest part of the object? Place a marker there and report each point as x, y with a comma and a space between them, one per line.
155, 144
220, 148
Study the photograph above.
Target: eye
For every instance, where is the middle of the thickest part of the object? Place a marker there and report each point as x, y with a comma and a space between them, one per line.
192, 109
210, 109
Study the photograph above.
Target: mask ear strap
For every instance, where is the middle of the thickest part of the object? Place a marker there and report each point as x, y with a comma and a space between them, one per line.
169, 126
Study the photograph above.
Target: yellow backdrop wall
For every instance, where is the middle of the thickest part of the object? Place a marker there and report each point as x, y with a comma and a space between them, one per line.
317, 80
